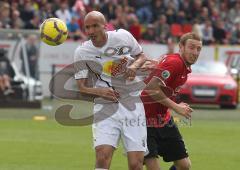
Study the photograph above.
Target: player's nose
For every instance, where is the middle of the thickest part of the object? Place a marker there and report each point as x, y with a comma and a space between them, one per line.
90, 30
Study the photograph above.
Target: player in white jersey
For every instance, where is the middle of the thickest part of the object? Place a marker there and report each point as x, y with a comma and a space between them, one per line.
113, 56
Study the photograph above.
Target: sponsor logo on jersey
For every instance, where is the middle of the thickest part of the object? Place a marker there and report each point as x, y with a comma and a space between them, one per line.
165, 74
114, 68
111, 51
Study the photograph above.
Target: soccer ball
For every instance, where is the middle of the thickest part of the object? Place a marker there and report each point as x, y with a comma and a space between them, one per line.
53, 31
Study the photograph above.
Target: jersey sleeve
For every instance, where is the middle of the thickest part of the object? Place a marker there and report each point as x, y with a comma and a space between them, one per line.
167, 71
131, 42
80, 68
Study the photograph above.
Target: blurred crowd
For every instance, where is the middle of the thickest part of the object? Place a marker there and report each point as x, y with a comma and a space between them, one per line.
217, 21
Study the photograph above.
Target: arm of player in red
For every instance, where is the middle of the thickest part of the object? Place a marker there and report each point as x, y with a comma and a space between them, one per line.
161, 93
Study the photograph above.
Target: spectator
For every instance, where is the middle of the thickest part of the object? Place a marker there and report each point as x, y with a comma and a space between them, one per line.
121, 20
158, 9
6, 73
170, 46
33, 23
219, 33
108, 9
234, 13
196, 8
162, 29
22, 13
14, 5
32, 56
196, 27
215, 14
207, 32
204, 15
74, 31
92, 5
224, 11
149, 35
143, 11
171, 13
174, 3
5, 85
185, 6
135, 27
27, 12
46, 11
235, 38
5, 15
63, 13
17, 22
78, 10
56, 5
181, 17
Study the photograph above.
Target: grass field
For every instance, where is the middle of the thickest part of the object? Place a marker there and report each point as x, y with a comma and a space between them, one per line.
213, 141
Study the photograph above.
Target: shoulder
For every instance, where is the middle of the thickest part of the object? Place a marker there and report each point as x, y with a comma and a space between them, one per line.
121, 33
173, 59
82, 50
86, 45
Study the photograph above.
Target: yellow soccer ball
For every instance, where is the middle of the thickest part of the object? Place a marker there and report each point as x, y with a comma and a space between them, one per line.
53, 31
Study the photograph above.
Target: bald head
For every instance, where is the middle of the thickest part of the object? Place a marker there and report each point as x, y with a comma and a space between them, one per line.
95, 28
95, 15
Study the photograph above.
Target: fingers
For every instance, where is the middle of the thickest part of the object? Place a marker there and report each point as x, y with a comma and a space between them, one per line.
116, 93
185, 104
1, 84
188, 115
146, 66
188, 111
149, 65
112, 95
130, 74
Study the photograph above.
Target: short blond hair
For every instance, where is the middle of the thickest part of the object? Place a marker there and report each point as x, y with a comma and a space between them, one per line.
190, 35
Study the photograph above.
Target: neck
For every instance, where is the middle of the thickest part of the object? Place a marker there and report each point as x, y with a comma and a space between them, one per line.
102, 42
185, 62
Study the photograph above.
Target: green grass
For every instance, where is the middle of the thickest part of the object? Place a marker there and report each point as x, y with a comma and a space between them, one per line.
213, 141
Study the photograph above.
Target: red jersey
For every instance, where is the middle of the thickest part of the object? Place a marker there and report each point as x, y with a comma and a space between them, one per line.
172, 72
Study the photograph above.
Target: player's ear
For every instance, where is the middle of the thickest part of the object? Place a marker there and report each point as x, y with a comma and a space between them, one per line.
105, 26
180, 47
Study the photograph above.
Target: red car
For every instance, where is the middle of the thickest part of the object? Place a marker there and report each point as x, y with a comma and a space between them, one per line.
210, 83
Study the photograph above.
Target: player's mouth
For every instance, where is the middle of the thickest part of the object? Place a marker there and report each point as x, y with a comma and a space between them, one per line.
93, 37
193, 58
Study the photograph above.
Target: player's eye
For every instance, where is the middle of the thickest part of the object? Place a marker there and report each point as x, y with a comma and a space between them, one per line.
191, 47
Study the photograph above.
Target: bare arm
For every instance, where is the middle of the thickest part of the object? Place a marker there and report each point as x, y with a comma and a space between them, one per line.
149, 65
104, 92
154, 89
132, 69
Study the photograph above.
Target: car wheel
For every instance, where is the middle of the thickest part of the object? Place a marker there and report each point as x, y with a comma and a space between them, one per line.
228, 106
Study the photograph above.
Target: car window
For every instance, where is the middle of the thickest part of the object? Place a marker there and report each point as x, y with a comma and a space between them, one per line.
215, 68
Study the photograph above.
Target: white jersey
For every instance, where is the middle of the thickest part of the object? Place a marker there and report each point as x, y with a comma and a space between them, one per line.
109, 61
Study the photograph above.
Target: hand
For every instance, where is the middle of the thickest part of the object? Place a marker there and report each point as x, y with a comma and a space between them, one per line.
108, 94
130, 73
2, 86
184, 109
149, 65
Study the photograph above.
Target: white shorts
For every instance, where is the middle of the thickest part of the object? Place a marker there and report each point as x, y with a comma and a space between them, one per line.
127, 122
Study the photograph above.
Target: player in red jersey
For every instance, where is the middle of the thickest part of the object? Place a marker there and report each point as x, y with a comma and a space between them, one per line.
163, 84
